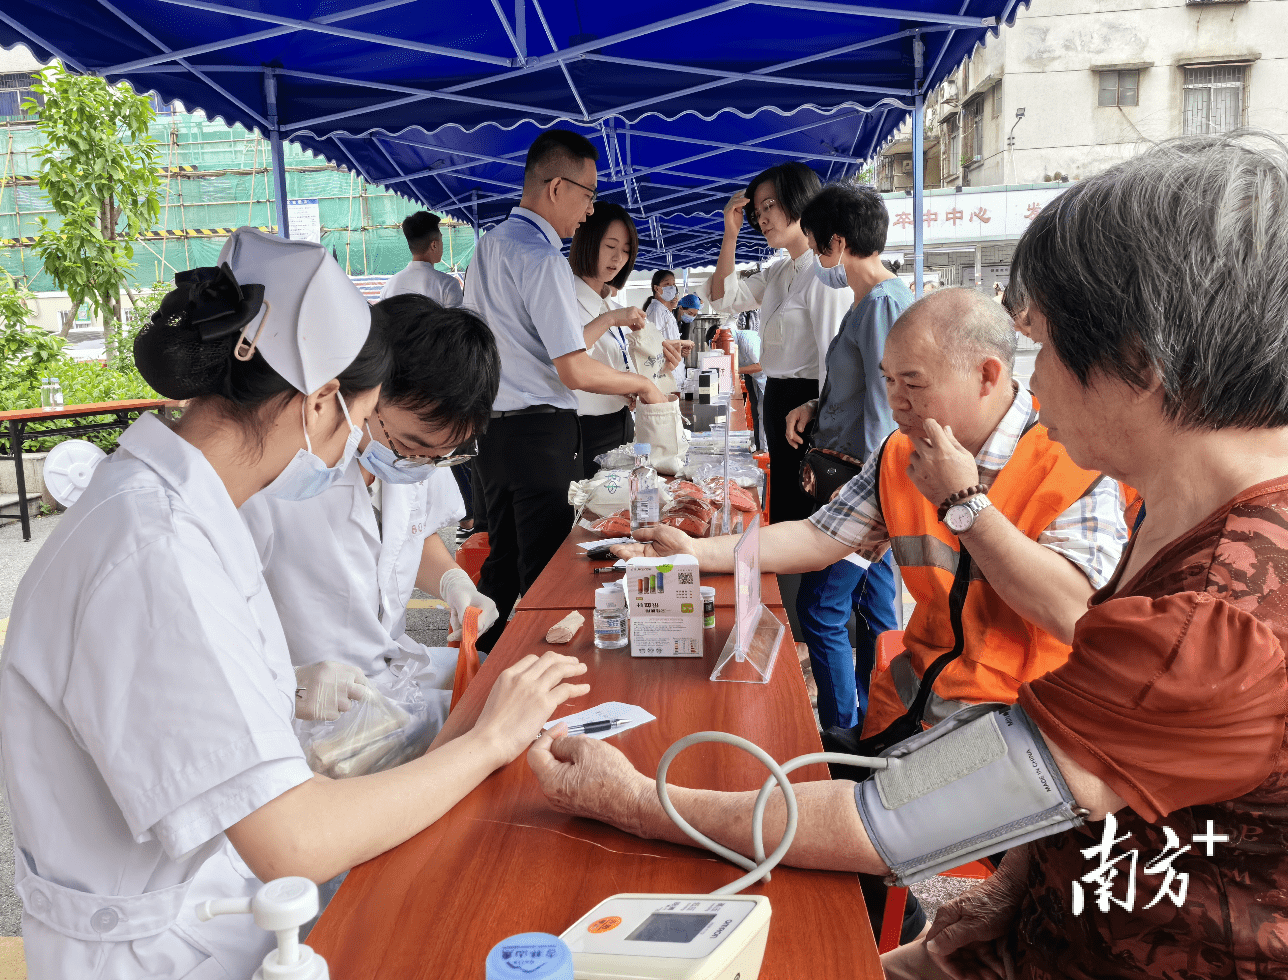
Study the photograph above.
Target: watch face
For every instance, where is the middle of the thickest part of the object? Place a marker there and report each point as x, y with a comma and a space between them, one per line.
959, 518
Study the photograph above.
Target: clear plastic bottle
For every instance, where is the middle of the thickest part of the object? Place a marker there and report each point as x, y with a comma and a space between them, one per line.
56, 393
46, 394
610, 618
646, 495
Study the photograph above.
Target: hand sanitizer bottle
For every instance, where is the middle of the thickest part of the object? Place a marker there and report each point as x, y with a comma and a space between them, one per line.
281, 906
646, 495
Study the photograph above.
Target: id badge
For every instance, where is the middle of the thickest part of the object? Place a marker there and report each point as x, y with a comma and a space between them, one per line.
773, 333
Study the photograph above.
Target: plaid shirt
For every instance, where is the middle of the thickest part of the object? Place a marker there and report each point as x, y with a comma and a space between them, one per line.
1091, 533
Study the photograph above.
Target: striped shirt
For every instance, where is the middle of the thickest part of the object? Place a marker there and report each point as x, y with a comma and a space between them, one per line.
1091, 533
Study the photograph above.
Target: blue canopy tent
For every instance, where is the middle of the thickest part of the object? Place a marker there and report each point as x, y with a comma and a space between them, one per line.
439, 98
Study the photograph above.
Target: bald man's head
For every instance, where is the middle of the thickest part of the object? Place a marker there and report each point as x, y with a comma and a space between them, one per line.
967, 326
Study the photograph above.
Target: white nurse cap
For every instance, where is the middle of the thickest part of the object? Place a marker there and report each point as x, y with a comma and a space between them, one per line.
314, 320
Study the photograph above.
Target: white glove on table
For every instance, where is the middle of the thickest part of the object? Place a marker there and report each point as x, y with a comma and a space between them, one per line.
324, 690
456, 589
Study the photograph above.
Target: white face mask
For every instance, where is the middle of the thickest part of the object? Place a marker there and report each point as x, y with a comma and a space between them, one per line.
307, 475
688, 317
669, 293
833, 277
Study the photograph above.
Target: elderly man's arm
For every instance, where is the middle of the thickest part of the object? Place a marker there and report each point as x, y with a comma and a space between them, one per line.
1039, 584
787, 548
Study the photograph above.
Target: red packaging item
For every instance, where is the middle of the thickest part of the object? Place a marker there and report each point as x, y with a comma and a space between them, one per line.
614, 525
740, 498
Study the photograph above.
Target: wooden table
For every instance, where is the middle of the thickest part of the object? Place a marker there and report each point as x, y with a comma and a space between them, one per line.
568, 582
120, 416
503, 862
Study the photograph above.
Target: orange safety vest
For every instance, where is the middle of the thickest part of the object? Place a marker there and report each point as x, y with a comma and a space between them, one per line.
1001, 650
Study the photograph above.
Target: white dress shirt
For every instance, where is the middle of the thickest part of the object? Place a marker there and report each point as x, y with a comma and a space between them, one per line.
799, 315
664, 320
612, 349
422, 277
522, 286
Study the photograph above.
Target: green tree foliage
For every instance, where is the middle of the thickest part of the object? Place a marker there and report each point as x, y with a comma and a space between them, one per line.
98, 166
26, 351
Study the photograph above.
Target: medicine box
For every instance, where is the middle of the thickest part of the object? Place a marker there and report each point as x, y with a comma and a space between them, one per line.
664, 606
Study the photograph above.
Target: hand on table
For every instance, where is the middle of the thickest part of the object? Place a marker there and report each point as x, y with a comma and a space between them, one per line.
586, 777
940, 465
656, 542
324, 691
524, 697
458, 591
798, 420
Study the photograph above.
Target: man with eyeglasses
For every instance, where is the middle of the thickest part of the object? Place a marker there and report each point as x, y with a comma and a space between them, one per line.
341, 571
521, 284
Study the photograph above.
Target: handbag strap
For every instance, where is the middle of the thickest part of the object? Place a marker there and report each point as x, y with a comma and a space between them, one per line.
956, 602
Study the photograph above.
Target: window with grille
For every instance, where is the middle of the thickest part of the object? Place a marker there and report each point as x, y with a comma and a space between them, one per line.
1119, 88
975, 148
997, 100
15, 89
1213, 99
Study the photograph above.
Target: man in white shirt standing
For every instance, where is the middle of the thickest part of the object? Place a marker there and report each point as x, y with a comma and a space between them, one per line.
426, 243
522, 286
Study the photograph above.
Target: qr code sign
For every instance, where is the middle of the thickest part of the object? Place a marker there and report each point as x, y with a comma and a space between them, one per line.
686, 578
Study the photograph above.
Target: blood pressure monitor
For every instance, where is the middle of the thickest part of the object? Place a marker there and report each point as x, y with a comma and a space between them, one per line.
671, 937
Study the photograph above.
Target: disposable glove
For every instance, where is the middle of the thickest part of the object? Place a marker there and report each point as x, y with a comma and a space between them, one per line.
324, 690
456, 589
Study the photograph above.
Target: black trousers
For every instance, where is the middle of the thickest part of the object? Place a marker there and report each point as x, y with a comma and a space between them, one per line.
787, 501
600, 433
753, 400
525, 464
461, 474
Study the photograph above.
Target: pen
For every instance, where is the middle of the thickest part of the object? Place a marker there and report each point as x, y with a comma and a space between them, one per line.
597, 726
606, 568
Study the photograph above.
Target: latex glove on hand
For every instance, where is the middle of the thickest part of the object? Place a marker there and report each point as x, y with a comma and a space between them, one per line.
586, 777
456, 589
323, 691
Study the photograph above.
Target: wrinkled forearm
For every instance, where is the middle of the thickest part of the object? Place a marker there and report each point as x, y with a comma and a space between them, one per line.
829, 833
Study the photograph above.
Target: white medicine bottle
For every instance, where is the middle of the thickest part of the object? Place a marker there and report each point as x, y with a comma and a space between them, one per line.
646, 494
610, 618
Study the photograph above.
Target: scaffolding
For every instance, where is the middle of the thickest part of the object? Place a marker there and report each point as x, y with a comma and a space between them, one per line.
217, 178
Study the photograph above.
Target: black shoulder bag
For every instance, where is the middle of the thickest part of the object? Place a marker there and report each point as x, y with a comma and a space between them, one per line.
910, 722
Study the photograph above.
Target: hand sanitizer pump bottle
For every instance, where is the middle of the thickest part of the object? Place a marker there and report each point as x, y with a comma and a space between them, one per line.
281, 906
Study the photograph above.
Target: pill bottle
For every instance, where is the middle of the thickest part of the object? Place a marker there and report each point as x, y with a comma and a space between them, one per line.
610, 618
530, 956
708, 607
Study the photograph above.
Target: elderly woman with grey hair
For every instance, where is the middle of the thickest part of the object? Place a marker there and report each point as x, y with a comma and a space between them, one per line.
1159, 292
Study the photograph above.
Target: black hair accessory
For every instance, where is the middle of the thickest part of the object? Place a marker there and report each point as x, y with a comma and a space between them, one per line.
218, 306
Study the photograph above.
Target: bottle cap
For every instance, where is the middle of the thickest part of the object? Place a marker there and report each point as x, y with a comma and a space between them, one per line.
707, 591
530, 956
642, 449
608, 596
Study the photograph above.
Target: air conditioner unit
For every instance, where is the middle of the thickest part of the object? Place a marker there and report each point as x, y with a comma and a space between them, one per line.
906, 166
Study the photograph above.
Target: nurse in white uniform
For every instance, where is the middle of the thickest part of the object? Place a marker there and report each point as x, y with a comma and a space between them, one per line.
660, 307
146, 693
349, 627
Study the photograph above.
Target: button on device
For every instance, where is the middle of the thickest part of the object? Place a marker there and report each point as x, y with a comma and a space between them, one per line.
40, 902
104, 920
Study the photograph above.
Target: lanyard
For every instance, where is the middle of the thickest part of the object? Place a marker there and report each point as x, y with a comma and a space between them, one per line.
524, 217
621, 342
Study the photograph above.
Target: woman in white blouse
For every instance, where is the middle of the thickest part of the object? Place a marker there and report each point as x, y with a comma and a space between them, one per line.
602, 256
660, 307
799, 316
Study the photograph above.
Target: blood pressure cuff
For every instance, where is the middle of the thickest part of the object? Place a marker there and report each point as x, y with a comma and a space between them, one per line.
979, 782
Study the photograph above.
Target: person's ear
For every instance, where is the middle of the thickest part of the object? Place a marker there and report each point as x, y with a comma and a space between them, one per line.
991, 373
318, 407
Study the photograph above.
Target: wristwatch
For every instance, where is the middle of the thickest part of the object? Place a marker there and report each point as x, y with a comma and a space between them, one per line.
961, 517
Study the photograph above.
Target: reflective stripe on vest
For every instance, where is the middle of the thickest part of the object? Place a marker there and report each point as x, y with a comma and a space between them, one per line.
1002, 651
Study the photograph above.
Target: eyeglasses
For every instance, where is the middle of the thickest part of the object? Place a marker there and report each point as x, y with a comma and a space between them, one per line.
594, 195
462, 454
771, 204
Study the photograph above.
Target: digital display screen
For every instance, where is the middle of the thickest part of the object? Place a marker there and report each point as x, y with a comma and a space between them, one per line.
670, 927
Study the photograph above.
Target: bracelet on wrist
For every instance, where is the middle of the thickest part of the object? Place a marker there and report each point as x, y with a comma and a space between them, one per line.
959, 496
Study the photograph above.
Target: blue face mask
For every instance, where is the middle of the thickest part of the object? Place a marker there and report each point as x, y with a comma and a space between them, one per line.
379, 460
688, 317
307, 475
669, 293
833, 277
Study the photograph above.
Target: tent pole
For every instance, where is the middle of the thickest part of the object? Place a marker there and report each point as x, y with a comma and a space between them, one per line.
279, 158
474, 201
918, 169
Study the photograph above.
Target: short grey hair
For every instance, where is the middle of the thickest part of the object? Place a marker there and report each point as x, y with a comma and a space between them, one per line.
969, 326
1174, 265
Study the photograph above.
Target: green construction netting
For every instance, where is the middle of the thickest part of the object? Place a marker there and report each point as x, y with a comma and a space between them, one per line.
231, 186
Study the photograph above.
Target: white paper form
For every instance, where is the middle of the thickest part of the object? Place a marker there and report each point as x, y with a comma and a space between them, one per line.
632, 713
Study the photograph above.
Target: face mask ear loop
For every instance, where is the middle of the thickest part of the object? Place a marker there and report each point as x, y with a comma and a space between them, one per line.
308, 445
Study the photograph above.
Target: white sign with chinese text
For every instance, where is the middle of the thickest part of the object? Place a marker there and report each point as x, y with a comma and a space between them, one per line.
980, 216
305, 219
